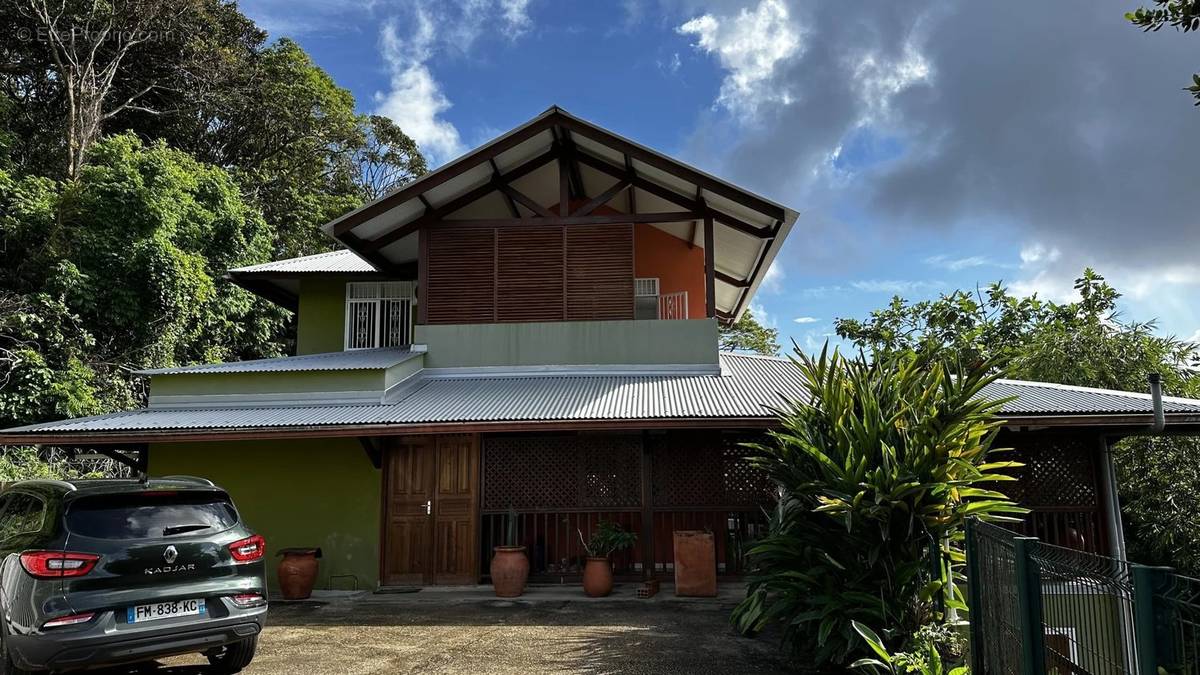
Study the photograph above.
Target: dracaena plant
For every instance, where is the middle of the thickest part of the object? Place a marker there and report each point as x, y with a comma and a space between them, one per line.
879, 462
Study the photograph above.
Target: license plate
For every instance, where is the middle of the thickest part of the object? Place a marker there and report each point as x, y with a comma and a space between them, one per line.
164, 610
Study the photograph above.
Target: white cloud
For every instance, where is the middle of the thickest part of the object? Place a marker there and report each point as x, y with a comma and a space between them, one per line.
1037, 253
762, 315
415, 100
806, 319
751, 47
671, 65
516, 16
895, 286
773, 280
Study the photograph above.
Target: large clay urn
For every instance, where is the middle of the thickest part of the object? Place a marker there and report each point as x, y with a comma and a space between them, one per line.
297, 572
597, 577
510, 571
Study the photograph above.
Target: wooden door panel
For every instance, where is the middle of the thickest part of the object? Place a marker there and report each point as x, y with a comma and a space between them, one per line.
456, 506
410, 488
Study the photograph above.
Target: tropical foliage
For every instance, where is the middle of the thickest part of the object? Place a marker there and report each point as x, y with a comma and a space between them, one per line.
924, 657
880, 462
138, 161
1085, 342
748, 335
606, 539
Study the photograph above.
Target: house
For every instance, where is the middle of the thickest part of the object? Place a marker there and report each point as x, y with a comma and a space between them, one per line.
534, 326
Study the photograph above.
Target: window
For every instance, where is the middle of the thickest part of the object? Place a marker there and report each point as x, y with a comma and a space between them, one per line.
24, 514
148, 517
379, 314
645, 298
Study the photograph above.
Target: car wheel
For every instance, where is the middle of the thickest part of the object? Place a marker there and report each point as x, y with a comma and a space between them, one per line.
234, 657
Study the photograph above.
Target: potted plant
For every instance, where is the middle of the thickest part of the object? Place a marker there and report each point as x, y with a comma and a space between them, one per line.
608, 538
510, 566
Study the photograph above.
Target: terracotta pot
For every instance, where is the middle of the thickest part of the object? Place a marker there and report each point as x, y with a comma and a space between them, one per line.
597, 577
695, 564
298, 572
510, 571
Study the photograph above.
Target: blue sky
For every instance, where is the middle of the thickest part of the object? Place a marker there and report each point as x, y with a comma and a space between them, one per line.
928, 146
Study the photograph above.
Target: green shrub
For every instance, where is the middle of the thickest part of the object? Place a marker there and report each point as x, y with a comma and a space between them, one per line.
880, 463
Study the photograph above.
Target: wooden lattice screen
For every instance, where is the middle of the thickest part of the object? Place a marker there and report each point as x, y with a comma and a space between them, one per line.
530, 473
698, 470
1060, 471
1060, 484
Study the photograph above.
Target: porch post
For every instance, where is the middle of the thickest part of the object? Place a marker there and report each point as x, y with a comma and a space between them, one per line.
1112, 502
647, 510
710, 279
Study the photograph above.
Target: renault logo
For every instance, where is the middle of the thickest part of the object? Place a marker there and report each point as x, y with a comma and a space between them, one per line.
170, 555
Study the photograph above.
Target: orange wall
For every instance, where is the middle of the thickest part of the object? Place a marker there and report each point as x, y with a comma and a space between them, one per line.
677, 266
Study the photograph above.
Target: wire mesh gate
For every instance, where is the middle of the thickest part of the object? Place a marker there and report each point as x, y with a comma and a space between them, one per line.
1041, 609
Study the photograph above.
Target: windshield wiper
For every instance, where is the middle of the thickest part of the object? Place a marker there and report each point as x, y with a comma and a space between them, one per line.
180, 529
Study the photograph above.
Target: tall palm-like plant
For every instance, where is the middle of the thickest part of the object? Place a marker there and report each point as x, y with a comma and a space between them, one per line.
879, 464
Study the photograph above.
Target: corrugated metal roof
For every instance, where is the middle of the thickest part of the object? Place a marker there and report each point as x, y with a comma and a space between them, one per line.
342, 261
748, 387
358, 359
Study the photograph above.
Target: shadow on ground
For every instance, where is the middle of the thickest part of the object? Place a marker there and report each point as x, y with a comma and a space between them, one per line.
431, 633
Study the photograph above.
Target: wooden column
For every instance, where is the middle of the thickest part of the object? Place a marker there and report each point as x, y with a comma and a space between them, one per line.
647, 509
710, 278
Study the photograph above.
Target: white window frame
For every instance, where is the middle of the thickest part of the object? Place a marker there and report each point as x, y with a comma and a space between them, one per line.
376, 296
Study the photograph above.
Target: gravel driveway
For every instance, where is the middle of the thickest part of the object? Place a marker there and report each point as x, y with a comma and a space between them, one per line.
554, 631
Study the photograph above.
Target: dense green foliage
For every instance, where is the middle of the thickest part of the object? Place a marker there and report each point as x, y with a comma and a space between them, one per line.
748, 335
1182, 15
1087, 343
138, 162
879, 462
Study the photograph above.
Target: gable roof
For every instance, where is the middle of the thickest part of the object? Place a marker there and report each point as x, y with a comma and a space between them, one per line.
600, 165
743, 395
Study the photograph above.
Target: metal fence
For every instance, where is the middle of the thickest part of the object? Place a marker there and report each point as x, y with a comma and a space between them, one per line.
1041, 609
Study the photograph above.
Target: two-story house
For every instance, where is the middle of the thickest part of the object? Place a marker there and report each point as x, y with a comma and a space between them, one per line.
534, 326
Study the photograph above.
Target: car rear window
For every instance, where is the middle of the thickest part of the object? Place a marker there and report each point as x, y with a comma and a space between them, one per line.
149, 516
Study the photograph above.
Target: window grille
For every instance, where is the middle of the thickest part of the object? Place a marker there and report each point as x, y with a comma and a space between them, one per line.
379, 314
645, 298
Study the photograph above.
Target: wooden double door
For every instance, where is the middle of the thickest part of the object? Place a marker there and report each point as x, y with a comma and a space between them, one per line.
431, 500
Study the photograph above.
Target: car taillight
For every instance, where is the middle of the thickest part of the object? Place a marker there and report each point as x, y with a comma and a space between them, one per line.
247, 600
248, 549
57, 564
68, 620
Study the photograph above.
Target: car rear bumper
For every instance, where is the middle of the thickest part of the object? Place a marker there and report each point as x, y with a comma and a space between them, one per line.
101, 646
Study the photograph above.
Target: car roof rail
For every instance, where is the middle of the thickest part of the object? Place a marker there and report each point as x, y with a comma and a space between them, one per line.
65, 485
192, 479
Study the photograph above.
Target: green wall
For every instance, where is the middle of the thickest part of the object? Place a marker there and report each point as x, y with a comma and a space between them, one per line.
321, 321
268, 382
570, 343
318, 492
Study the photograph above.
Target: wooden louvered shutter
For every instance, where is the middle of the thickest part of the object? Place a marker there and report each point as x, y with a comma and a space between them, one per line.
599, 272
460, 275
529, 274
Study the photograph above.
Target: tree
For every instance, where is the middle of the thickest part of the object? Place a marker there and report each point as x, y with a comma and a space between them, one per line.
748, 335
387, 159
87, 44
119, 270
878, 461
1087, 343
1183, 15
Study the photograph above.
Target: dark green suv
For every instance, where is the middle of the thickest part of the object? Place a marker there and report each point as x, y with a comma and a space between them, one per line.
107, 572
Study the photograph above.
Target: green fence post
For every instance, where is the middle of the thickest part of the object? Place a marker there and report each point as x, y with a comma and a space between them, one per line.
1029, 607
1149, 616
974, 598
